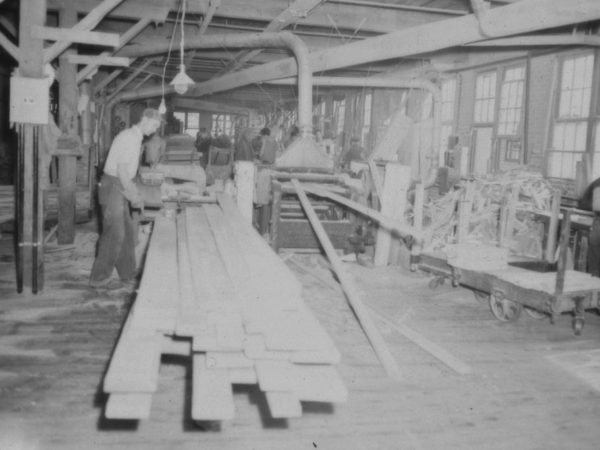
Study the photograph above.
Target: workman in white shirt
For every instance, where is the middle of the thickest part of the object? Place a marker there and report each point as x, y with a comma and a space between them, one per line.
116, 193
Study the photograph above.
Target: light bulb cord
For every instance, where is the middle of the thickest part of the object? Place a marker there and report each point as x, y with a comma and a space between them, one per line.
182, 34
169, 53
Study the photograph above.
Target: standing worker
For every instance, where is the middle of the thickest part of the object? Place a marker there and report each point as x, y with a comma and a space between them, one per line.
116, 193
354, 153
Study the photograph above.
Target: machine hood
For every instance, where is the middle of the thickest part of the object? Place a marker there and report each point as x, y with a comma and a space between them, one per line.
304, 152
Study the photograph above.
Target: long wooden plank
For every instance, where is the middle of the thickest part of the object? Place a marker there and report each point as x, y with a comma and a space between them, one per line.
351, 290
283, 405
128, 406
134, 364
432, 348
212, 397
77, 36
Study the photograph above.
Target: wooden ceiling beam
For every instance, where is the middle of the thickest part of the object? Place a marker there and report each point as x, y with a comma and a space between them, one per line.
10, 48
203, 105
86, 24
297, 10
123, 39
75, 36
129, 10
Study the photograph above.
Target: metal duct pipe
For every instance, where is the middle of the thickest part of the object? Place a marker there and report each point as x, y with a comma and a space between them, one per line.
283, 39
379, 82
480, 9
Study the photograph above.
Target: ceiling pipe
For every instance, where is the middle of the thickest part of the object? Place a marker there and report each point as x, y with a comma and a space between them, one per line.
380, 82
283, 39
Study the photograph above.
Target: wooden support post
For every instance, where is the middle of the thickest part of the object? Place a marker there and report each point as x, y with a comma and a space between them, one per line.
244, 181
393, 203
561, 268
464, 213
68, 123
86, 165
417, 221
350, 288
553, 226
31, 213
275, 214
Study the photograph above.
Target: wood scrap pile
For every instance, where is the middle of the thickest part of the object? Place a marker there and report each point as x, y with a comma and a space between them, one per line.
520, 191
213, 290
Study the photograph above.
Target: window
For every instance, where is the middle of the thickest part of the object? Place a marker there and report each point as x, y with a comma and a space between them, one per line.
511, 102
448, 89
485, 97
190, 122
222, 124
569, 135
366, 127
339, 108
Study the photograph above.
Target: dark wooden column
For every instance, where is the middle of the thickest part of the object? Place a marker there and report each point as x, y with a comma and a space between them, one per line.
31, 213
68, 123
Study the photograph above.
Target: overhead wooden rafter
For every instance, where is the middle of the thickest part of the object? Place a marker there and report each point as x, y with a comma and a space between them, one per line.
10, 48
101, 61
130, 78
75, 36
298, 9
214, 4
85, 24
124, 39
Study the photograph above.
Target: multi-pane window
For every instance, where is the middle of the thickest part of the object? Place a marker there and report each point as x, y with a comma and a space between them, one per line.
511, 101
366, 127
339, 108
448, 102
485, 97
222, 124
569, 134
190, 122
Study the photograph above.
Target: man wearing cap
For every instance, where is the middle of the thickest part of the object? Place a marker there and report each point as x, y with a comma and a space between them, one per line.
116, 193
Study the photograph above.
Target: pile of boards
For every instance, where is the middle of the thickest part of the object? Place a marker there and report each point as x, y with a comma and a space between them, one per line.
475, 213
213, 290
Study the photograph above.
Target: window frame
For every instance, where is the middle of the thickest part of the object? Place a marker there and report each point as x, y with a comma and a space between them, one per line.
590, 121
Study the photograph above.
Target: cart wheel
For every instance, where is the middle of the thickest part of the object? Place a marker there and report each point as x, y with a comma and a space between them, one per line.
435, 282
535, 314
578, 326
503, 309
481, 297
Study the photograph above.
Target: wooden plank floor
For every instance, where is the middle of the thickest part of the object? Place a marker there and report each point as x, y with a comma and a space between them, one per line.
54, 349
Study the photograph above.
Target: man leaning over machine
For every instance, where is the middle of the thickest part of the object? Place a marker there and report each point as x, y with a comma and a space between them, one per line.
116, 193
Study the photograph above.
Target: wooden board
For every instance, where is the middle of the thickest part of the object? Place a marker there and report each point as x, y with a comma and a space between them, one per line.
212, 397
283, 405
128, 406
134, 364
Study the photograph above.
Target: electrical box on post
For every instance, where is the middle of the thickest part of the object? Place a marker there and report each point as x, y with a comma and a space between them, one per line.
29, 100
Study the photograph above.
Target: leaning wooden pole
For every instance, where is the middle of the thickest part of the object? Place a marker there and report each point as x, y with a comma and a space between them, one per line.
350, 288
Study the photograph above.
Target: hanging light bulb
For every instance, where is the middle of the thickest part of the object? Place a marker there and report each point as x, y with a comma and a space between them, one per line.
182, 81
162, 108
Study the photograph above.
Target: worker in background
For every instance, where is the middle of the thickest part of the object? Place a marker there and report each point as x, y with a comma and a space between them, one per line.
353, 153
117, 192
243, 146
590, 201
269, 147
294, 132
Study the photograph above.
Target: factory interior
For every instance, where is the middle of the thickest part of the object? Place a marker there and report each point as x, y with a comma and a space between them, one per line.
299, 224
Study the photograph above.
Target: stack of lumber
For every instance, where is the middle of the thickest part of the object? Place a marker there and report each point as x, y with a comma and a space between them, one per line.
482, 218
213, 290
